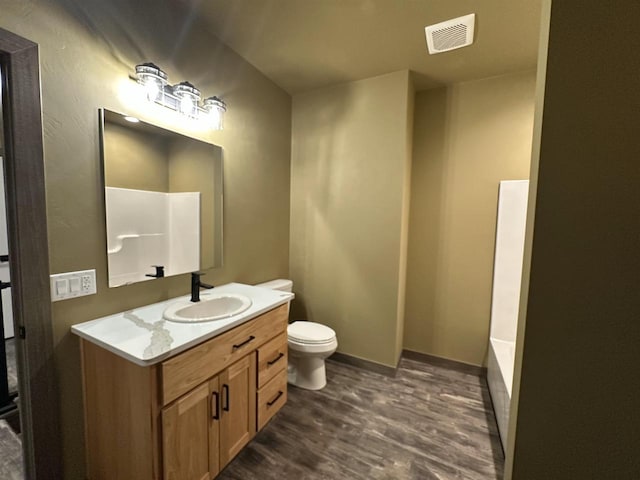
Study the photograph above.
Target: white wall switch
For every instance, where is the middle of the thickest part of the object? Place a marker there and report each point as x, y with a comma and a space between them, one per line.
72, 284
62, 286
75, 284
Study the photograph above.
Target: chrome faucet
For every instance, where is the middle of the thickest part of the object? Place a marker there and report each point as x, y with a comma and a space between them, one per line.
196, 285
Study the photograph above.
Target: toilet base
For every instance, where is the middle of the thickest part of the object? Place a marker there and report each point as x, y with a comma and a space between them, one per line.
307, 372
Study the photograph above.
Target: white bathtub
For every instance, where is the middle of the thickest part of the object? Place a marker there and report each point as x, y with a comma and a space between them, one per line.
500, 379
507, 274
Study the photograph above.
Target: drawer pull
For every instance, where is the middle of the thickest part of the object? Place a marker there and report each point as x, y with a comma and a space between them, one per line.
248, 340
280, 392
215, 411
271, 362
225, 405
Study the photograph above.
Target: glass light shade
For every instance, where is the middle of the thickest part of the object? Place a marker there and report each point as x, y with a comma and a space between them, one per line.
151, 90
188, 96
186, 105
152, 78
215, 109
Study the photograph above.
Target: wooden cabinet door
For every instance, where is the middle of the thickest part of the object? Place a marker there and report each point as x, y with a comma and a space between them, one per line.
185, 437
238, 413
214, 426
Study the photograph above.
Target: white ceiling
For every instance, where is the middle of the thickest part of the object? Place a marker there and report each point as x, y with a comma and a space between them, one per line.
306, 44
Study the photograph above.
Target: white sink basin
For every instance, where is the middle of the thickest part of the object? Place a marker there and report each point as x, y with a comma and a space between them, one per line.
211, 307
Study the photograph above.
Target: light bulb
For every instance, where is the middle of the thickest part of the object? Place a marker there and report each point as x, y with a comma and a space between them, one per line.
188, 96
216, 109
215, 118
152, 89
152, 79
186, 105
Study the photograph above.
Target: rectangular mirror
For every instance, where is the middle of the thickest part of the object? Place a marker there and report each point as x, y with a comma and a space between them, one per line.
163, 200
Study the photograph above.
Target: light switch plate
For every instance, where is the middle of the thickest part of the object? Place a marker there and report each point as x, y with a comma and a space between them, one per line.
81, 283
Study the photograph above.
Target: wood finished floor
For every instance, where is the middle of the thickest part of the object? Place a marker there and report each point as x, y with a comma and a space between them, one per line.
10, 444
427, 423
10, 454
12, 372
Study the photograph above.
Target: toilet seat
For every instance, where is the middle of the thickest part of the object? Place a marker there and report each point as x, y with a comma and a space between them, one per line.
310, 333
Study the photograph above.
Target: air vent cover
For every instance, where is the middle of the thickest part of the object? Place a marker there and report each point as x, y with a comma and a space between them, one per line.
449, 35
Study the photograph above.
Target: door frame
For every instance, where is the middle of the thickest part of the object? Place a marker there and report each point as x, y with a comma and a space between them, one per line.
29, 256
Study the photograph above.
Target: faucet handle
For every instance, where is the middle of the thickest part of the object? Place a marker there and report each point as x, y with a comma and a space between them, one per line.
196, 283
197, 275
159, 272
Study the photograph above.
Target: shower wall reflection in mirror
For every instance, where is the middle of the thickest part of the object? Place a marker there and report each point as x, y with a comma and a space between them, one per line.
163, 200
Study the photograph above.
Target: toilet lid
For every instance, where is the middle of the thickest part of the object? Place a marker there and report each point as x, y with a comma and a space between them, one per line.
310, 332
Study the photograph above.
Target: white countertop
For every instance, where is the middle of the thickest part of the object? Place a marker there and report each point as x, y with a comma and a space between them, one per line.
143, 337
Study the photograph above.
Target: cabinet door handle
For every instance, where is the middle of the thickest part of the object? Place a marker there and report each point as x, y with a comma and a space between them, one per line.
280, 392
215, 411
248, 340
271, 362
225, 405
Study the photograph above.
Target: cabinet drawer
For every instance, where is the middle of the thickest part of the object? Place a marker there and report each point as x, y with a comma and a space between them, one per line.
189, 369
272, 357
272, 397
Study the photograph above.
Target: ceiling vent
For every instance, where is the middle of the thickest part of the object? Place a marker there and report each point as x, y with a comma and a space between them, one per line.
449, 35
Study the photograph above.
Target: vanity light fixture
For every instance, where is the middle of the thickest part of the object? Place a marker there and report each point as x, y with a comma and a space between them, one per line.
183, 97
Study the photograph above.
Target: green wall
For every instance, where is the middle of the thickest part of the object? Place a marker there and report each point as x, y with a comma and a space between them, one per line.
467, 137
350, 172
135, 159
87, 51
577, 410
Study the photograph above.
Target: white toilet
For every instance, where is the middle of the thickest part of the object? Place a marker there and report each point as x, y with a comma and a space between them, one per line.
310, 344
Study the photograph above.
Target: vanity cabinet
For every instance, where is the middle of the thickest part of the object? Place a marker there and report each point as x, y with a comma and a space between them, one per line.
204, 429
187, 417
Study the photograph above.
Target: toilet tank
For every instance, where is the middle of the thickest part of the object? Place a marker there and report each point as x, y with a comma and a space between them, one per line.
279, 284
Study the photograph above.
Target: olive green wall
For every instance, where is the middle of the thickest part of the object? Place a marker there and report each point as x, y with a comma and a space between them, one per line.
467, 137
349, 171
135, 159
577, 413
87, 51
404, 225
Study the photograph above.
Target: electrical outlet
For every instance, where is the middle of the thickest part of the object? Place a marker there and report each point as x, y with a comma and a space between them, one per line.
72, 284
